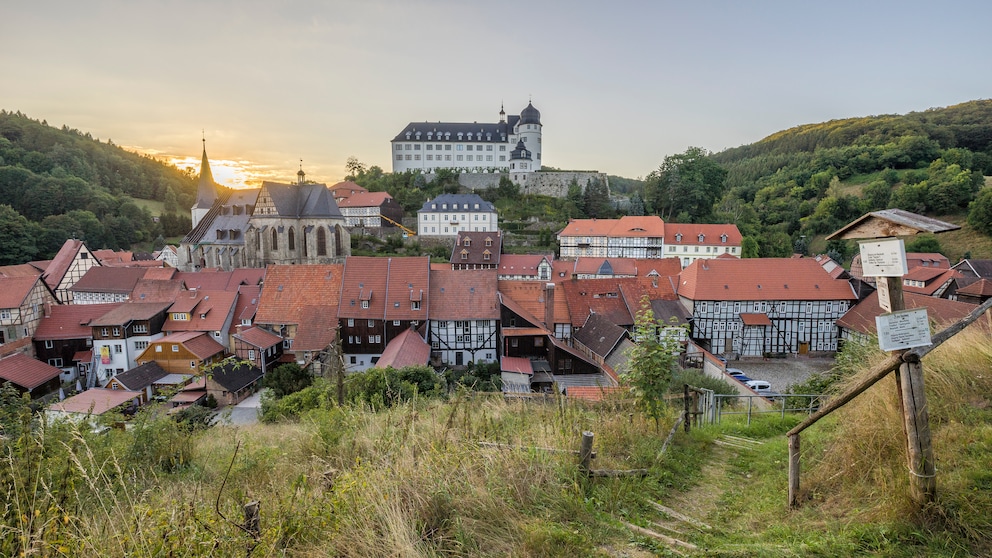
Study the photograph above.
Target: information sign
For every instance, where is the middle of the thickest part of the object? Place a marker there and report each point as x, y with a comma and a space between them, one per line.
904, 329
884, 302
883, 257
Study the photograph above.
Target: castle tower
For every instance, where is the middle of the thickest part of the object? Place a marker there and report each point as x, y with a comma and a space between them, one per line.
529, 132
206, 190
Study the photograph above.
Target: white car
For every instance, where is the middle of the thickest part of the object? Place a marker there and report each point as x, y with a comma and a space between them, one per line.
760, 387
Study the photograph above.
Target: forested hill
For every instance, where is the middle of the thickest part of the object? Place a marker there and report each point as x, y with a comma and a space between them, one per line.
62, 183
809, 180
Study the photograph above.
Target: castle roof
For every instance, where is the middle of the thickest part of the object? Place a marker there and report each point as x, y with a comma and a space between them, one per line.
302, 200
495, 132
530, 115
457, 202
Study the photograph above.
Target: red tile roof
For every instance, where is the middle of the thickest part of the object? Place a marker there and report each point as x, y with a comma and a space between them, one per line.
364, 199
318, 328
605, 266
259, 337
208, 280
521, 264
934, 281
658, 266
156, 290
345, 189
602, 296
518, 365
208, 311
14, 290
388, 285
530, 296
712, 234
980, 288
464, 294
160, 273
408, 281
761, 279
638, 226
247, 304
95, 401
33, 269
861, 317
755, 319
60, 264
26, 372
588, 227
71, 321
593, 393
406, 349
289, 289
101, 279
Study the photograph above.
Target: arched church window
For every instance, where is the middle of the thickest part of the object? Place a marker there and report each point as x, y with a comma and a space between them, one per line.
275, 239
321, 241
292, 239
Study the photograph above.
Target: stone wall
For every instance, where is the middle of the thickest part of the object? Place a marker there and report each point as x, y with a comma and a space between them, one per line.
544, 183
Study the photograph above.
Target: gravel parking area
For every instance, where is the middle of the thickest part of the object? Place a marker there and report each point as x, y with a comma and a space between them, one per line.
782, 372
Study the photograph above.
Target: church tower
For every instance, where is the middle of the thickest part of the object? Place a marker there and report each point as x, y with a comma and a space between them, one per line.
206, 190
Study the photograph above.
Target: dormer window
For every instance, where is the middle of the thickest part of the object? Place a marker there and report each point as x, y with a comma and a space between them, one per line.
447, 135
408, 135
467, 242
476, 206
433, 206
365, 304
487, 255
418, 135
459, 136
464, 254
701, 237
723, 238
489, 241
444, 206
678, 237
430, 135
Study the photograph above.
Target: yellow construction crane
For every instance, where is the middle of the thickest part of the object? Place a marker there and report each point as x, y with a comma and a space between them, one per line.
406, 231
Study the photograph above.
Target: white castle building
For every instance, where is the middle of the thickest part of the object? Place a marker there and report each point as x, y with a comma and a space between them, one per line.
512, 145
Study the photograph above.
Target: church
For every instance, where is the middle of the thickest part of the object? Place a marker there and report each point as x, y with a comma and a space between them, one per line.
276, 224
512, 145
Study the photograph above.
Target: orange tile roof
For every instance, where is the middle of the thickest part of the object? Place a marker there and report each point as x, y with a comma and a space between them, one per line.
530, 296
95, 400
156, 290
605, 266
388, 285
208, 311
365, 199
588, 227
982, 287
259, 337
318, 328
406, 349
289, 289
60, 264
464, 294
632, 226
518, 365
345, 189
602, 296
521, 264
26, 372
160, 273
71, 321
761, 279
14, 290
593, 393
711, 234
196, 342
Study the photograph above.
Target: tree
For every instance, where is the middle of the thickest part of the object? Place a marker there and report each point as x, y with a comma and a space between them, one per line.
17, 237
980, 212
286, 379
355, 167
690, 182
651, 362
749, 247
596, 200
925, 244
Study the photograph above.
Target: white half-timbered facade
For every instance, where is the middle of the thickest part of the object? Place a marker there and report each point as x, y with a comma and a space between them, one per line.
464, 316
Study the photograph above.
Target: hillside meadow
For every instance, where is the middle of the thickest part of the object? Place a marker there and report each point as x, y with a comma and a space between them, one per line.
475, 475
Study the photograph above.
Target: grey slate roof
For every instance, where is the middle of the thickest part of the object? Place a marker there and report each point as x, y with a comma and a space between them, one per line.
302, 200
233, 375
485, 132
206, 189
140, 377
600, 334
975, 268
461, 200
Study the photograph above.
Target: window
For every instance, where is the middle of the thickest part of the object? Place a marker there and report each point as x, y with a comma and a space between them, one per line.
351, 322
275, 239
396, 322
353, 360
514, 342
365, 304
118, 349
56, 362
292, 239
158, 348
49, 344
414, 305
251, 355
141, 345
140, 328
175, 348
192, 364
104, 332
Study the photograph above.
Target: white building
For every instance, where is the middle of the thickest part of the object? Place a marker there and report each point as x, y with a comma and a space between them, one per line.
450, 214
511, 145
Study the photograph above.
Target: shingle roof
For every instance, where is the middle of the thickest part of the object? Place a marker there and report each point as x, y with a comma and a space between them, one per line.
101, 279
406, 349
131, 311
14, 290
464, 294
600, 335
71, 321
26, 372
289, 289
861, 317
227, 213
761, 279
978, 268
234, 375
141, 376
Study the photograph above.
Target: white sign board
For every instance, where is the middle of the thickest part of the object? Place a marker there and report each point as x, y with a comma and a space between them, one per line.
883, 257
884, 302
903, 330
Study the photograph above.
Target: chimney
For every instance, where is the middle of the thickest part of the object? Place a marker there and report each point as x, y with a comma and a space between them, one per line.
549, 306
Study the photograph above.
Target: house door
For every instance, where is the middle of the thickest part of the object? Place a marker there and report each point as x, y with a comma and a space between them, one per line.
458, 359
803, 348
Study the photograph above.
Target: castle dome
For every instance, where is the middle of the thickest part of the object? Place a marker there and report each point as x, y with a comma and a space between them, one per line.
530, 115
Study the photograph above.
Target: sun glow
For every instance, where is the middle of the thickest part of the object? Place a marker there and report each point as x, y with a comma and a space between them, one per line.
233, 174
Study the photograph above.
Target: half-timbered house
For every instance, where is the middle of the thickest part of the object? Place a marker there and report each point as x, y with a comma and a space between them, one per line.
464, 316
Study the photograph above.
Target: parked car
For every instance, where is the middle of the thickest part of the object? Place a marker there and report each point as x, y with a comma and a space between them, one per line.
738, 375
760, 387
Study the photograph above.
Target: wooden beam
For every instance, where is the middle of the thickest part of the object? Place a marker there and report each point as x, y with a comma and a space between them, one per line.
794, 470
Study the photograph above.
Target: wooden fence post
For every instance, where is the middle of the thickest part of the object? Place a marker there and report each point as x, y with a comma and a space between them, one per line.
253, 520
919, 448
685, 400
794, 470
585, 452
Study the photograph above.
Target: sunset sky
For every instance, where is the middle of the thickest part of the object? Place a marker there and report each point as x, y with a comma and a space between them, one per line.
619, 85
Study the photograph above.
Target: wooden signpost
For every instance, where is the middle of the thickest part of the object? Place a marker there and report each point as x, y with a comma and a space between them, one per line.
884, 257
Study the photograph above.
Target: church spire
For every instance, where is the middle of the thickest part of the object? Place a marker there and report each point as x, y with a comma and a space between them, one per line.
206, 189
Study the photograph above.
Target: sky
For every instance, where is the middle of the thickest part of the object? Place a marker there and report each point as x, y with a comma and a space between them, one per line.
620, 85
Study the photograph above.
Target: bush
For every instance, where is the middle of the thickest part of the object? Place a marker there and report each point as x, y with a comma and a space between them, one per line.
386, 387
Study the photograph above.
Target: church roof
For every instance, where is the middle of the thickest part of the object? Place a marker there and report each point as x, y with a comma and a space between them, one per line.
302, 200
230, 213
